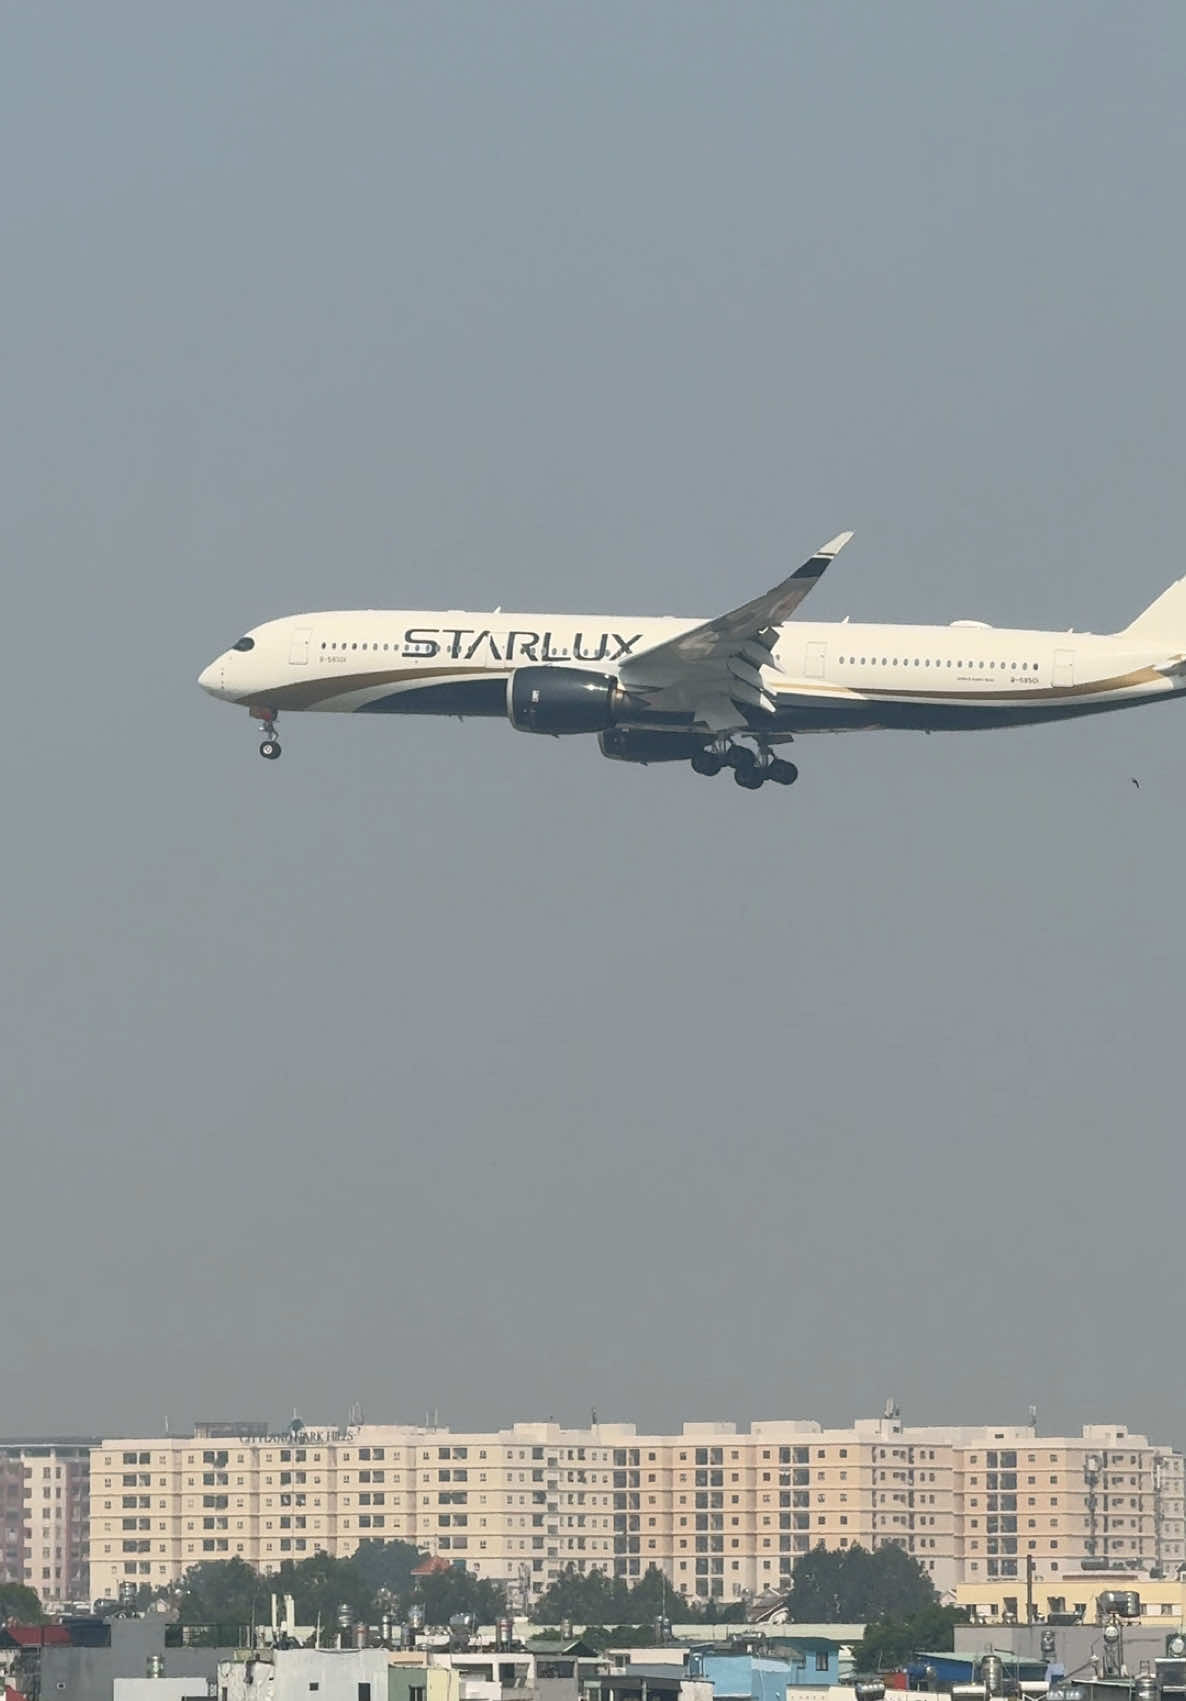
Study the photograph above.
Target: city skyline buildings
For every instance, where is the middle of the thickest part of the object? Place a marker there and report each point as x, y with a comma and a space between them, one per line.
723, 1510
44, 1514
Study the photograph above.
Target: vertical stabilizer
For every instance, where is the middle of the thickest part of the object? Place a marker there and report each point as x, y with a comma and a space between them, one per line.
1165, 618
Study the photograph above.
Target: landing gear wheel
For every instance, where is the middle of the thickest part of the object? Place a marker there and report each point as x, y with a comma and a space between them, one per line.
270, 748
783, 773
750, 778
741, 759
707, 762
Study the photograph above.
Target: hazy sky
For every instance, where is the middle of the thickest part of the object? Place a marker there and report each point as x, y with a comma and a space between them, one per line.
442, 1066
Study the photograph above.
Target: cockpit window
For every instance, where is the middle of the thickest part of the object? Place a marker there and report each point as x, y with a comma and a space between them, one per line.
244, 644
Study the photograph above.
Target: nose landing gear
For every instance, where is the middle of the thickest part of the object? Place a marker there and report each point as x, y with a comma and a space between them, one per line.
270, 747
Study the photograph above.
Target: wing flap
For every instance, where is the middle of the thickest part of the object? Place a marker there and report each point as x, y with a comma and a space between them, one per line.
720, 663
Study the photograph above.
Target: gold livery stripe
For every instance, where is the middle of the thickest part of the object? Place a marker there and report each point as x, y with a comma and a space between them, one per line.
1040, 693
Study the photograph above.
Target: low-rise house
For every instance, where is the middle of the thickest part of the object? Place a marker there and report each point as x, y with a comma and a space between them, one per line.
83, 1659
322, 1674
744, 1677
667, 1680
194, 1688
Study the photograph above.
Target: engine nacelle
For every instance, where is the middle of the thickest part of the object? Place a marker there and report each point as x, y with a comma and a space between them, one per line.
639, 744
562, 700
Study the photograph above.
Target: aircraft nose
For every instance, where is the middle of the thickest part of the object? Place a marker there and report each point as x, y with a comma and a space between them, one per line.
210, 678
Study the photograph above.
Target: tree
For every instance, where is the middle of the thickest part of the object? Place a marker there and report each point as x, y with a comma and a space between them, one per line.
386, 1567
19, 1602
592, 1598
320, 1585
223, 1591
891, 1642
582, 1597
445, 1593
378, 1578
854, 1585
713, 1612
654, 1597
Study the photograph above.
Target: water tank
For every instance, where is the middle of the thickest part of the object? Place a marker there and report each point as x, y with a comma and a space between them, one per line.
992, 1671
1125, 1603
416, 1617
504, 1634
1146, 1687
362, 1636
345, 1616
869, 1689
154, 1666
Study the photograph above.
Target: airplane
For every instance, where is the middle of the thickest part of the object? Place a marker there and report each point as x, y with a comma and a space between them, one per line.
723, 693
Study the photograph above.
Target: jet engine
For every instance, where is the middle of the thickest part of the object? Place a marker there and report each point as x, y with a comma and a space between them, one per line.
636, 744
563, 699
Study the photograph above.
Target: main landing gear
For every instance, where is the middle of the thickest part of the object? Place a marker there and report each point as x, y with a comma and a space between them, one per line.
751, 768
270, 747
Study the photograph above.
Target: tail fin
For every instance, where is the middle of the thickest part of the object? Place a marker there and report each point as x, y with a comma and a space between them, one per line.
1165, 618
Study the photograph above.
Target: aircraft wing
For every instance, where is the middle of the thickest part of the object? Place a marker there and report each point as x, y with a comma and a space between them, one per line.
715, 669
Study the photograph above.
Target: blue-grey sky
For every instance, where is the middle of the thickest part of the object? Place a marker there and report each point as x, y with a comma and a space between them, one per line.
438, 1066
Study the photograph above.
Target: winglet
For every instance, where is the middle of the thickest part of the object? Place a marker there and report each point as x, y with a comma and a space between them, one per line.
829, 552
796, 587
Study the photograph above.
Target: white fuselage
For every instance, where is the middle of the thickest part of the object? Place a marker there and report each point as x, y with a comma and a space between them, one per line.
826, 676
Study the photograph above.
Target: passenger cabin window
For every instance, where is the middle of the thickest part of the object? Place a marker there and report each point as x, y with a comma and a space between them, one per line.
244, 644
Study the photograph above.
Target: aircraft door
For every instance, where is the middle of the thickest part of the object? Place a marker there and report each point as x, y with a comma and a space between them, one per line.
298, 652
1064, 667
817, 656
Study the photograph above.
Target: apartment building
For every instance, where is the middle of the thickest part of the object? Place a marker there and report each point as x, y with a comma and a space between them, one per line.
724, 1512
1162, 1601
44, 1516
